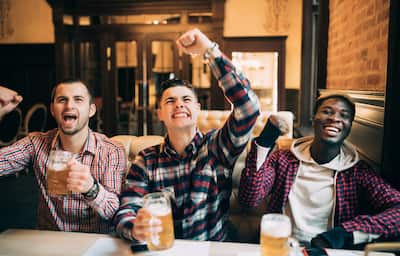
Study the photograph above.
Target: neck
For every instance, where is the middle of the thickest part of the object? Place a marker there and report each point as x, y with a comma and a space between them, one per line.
323, 152
180, 139
74, 143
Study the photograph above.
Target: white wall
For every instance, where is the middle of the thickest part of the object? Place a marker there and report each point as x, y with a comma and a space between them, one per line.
258, 18
30, 22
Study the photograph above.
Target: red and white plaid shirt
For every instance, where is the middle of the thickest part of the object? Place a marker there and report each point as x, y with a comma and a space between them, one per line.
73, 212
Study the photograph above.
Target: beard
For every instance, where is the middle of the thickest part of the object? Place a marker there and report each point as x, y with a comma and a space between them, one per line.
75, 130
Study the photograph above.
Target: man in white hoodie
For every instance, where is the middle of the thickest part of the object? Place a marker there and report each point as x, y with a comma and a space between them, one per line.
333, 198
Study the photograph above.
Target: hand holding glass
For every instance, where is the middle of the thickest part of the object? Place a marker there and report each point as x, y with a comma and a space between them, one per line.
57, 172
159, 206
275, 236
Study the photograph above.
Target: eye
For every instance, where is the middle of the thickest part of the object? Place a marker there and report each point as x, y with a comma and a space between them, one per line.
327, 111
345, 115
169, 101
61, 100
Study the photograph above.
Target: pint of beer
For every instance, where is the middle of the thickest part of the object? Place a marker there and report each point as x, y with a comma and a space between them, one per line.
275, 233
159, 206
57, 172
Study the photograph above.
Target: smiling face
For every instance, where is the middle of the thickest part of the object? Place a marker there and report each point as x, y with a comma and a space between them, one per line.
178, 108
71, 107
332, 121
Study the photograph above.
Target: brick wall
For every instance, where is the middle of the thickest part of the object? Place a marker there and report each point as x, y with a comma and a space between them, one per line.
357, 44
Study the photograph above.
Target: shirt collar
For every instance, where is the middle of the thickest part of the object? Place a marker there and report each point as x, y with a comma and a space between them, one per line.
89, 147
189, 149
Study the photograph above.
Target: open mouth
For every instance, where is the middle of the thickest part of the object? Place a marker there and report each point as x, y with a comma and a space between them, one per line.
69, 118
180, 115
331, 130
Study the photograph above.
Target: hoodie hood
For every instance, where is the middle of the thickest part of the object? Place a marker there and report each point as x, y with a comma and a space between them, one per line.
346, 158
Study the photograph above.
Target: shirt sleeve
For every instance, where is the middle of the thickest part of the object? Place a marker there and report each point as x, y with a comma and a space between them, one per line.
383, 199
256, 183
233, 137
16, 157
106, 202
134, 188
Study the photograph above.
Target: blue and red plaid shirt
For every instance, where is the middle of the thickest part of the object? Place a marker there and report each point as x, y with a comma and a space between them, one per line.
200, 182
107, 161
364, 201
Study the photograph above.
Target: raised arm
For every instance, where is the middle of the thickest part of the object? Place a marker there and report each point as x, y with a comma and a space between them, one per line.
235, 134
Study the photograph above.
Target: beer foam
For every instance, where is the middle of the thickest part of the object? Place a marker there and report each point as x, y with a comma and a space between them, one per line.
276, 228
158, 209
58, 166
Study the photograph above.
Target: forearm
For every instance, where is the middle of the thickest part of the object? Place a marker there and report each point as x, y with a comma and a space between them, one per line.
253, 182
385, 224
235, 134
131, 199
16, 157
105, 204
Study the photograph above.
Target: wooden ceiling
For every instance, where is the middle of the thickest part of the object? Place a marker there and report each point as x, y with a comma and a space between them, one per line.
125, 7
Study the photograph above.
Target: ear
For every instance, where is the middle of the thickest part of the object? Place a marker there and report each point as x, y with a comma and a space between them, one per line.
159, 114
52, 109
92, 110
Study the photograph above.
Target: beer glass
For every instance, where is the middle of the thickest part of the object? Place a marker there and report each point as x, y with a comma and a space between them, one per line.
57, 172
159, 206
275, 236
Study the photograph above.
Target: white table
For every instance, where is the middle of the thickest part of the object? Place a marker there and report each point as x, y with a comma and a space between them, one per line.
37, 242
26, 242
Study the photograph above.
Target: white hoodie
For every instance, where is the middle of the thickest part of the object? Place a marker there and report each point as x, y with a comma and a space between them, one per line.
312, 197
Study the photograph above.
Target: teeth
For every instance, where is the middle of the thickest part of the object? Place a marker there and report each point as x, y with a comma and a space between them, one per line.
180, 115
332, 129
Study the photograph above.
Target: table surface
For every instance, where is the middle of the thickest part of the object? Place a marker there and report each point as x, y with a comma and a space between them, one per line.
38, 242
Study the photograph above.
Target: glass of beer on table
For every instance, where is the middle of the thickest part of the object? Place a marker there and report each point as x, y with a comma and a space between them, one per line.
159, 206
275, 237
57, 172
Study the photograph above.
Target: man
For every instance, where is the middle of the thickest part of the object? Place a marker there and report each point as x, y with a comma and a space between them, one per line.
9, 100
95, 175
196, 168
333, 198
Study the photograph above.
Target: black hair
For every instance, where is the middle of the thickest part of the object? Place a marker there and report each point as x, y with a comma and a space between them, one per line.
71, 81
341, 97
174, 83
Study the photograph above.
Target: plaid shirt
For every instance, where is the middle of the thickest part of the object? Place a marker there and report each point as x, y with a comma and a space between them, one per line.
200, 182
364, 202
107, 163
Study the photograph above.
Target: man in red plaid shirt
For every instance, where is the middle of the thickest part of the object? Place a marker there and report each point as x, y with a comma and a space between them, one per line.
195, 168
95, 174
333, 198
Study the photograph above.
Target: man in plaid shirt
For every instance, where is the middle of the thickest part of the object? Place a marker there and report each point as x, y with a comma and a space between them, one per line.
195, 168
333, 198
95, 175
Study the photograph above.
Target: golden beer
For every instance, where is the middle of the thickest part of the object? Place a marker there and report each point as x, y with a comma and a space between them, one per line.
57, 182
158, 205
275, 233
57, 172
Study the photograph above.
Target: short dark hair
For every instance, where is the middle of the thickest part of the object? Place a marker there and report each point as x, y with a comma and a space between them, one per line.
174, 83
342, 97
71, 81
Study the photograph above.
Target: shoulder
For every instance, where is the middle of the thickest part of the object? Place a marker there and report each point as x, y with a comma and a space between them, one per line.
42, 136
283, 154
107, 142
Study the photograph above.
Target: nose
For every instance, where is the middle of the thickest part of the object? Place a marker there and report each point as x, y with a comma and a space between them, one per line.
179, 104
336, 117
69, 104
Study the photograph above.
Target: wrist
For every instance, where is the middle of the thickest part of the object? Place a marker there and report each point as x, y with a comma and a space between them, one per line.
212, 51
92, 193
